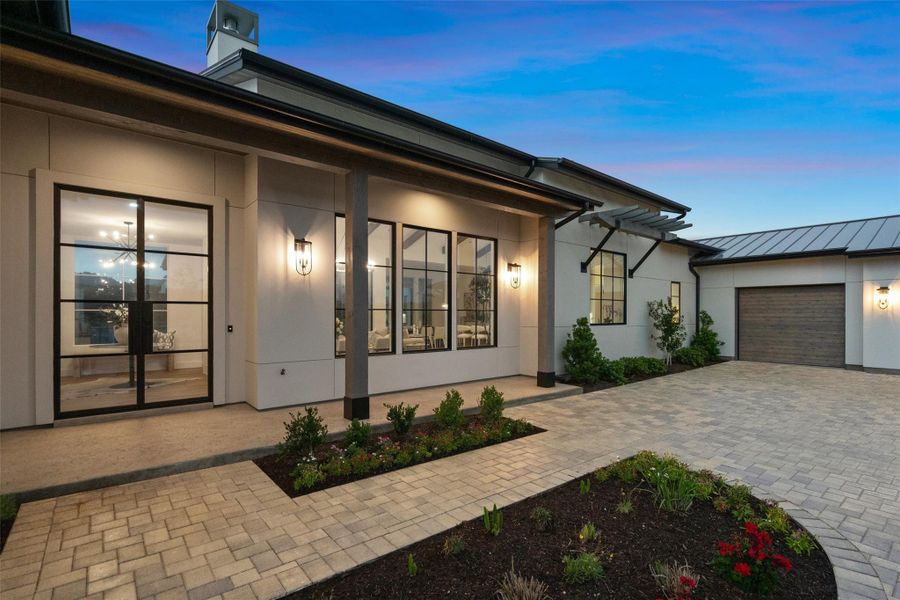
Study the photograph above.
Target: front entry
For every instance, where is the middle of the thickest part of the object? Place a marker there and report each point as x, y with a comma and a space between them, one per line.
133, 313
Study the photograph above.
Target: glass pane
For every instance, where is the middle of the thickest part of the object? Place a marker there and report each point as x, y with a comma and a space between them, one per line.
618, 265
438, 256
414, 248
379, 287
485, 256
340, 341
340, 293
607, 261
437, 288
414, 330
618, 289
465, 328
465, 254
175, 277
437, 334
483, 292
607, 287
596, 312
381, 243
93, 328
87, 218
180, 327
595, 285
91, 274
340, 241
675, 291
618, 314
595, 265
176, 228
97, 382
414, 289
182, 376
380, 339
484, 329
606, 312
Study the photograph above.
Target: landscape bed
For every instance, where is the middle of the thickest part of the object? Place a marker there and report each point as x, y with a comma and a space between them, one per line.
628, 544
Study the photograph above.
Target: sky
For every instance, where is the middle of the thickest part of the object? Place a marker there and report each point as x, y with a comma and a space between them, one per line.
757, 115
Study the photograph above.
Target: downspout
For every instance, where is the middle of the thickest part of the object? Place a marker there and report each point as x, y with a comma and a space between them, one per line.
696, 297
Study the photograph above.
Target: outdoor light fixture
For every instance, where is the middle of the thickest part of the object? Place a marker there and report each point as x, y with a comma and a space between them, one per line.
303, 256
883, 297
514, 272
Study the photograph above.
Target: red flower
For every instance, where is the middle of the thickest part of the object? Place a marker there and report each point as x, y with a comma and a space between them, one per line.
783, 562
687, 582
742, 569
751, 528
726, 549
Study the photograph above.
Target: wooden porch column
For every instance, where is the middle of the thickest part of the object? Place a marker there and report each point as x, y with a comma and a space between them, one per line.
356, 325
546, 374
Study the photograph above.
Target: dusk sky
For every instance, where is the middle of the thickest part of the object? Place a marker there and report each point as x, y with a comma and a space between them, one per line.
757, 115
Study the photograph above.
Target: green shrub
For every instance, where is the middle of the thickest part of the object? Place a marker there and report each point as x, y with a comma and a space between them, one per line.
694, 357
612, 371
491, 405
668, 327
401, 417
303, 433
449, 412
357, 434
800, 543
8, 507
581, 569
542, 518
625, 506
493, 520
642, 366
587, 533
601, 474
581, 354
453, 544
306, 476
776, 520
673, 485
706, 339
411, 567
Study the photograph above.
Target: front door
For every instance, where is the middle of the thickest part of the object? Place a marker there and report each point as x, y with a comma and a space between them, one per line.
133, 314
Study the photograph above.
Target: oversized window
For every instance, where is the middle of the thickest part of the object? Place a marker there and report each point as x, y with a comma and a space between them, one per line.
608, 289
381, 278
675, 296
476, 292
426, 289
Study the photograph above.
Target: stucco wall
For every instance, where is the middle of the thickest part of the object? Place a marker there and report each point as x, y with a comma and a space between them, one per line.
38, 150
872, 334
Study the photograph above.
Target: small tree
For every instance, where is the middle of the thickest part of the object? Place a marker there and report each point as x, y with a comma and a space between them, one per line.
582, 356
668, 327
706, 339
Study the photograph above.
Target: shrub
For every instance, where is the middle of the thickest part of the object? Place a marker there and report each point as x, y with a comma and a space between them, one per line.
749, 563
518, 587
453, 544
411, 567
706, 339
8, 507
642, 366
542, 518
491, 405
449, 412
677, 582
587, 533
800, 543
493, 520
694, 357
668, 327
306, 476
581, 353
625, 506
776, 519
673, 486
601, 474
584, 487
612, 371
581, 569
401, 417
357, 434
303, 433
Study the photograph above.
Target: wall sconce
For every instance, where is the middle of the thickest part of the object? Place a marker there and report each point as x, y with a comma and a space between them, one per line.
883, 297
514, 274
303, 256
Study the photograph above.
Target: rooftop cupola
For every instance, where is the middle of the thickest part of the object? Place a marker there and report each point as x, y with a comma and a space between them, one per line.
230, 28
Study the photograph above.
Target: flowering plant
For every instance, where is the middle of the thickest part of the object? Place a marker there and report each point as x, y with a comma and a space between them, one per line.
750, 562
676, 581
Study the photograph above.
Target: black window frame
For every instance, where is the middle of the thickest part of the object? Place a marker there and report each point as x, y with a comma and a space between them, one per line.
392, 311
495, 333
599, 260
672, 295
426, 270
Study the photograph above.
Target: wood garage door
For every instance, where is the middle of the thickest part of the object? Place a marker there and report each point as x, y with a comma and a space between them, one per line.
801, 325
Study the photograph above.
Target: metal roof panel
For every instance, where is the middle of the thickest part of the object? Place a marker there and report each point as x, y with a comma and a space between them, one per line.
887, 236
821, 242
864, 236
788, 240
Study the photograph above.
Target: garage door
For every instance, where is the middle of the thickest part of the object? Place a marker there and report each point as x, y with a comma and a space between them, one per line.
801, 325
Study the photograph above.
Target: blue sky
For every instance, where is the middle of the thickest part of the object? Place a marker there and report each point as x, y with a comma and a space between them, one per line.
758, 115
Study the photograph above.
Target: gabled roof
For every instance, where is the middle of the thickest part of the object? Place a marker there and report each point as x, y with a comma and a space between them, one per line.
862, 237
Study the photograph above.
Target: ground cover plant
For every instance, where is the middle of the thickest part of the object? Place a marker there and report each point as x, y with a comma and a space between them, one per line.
304, 463
679, 541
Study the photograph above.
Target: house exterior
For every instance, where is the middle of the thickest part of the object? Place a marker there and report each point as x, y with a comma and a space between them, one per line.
258, 234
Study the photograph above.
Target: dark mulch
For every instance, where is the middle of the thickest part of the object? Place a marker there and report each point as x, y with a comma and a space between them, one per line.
605, 385
629, 544
279, 468
5, 527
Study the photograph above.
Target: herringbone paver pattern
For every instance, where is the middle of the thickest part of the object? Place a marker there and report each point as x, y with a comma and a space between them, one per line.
825, 441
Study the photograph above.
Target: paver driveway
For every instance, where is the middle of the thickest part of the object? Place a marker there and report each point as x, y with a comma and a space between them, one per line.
825, 440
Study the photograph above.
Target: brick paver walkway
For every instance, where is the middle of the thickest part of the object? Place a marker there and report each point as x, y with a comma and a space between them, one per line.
826, 441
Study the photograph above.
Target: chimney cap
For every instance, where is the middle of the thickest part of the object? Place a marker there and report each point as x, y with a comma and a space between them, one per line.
233, 20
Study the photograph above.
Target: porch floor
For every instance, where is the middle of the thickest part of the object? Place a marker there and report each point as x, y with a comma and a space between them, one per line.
57, 460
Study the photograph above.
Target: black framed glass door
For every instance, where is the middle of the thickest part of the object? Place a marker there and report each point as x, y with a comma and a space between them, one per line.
133, 312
